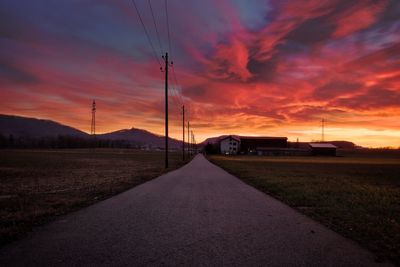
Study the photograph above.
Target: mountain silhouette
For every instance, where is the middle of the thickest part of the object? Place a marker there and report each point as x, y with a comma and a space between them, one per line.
35, 128
140, 136
17, 126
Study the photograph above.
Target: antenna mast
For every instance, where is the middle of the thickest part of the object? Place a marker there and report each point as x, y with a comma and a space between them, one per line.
93, 126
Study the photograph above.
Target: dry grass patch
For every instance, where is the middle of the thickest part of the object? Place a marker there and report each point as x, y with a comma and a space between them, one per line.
357, 196
37, 185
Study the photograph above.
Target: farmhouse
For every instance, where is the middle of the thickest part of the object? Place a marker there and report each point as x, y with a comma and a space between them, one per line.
252, 145
323, 149
230, 145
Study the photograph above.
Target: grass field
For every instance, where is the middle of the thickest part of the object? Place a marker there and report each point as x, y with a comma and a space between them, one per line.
357, 195
36, 186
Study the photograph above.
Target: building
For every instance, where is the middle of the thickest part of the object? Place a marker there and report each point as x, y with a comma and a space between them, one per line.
322, 149
233, 145
230, 145
272, 151
252, 144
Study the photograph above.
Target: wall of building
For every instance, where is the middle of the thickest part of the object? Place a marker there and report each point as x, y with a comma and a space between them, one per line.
229, 146
284, 152
324, 151
251, 144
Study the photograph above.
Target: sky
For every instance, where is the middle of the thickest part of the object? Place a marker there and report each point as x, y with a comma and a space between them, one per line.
270, 68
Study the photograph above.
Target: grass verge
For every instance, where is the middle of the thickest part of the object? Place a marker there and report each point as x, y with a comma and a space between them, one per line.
357, 195
38, 185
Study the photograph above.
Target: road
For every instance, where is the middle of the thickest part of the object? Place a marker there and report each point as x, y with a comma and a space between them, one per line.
198, 215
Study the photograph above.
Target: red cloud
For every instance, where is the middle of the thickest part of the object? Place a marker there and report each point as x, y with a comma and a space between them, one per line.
358, 17
230, 61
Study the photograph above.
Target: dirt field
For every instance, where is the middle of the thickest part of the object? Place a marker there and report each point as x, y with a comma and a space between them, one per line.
38, 185
357, 195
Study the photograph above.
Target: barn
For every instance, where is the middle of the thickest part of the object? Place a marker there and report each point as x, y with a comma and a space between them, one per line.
322, 149
251, 144
230, 145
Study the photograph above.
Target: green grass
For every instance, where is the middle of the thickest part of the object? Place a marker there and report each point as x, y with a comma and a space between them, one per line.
37, 185
357, 195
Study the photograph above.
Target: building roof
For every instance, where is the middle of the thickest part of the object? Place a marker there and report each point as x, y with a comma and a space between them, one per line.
239, 138
232, 137
321, 145
263, 137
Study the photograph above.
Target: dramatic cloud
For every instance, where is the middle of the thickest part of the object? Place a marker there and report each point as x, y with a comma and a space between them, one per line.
243, 67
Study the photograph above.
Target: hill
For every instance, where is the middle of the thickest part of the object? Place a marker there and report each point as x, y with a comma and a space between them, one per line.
140, 137
35, 128
34, 132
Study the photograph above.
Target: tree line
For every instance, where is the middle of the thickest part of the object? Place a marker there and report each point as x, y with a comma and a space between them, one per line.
63, 141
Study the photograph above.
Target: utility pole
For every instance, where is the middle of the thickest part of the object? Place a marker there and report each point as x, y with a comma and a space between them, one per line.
93, 126
194, 145
192, 142
323, 130
188, 148
183, 132
166, 109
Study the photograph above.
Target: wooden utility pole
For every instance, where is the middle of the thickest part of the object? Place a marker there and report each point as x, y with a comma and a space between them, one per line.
183, 132
323, 130
188, 146
166, 109
192, 142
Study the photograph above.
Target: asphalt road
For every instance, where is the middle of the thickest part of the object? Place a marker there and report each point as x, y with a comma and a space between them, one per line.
198, 215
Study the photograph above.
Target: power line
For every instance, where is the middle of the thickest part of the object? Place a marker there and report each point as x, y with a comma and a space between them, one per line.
175, 100
155, 26
169, 39
170, 51
174, 90
175, 93
147, 34
175, 96
174, 87
176, 82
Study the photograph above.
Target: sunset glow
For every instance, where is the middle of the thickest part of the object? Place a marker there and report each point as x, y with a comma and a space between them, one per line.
273, 68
